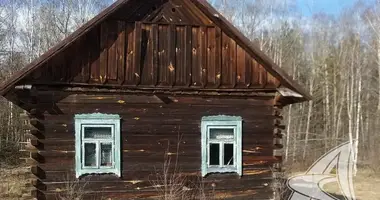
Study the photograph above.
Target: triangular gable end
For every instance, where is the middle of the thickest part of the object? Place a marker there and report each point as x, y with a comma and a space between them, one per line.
208, 52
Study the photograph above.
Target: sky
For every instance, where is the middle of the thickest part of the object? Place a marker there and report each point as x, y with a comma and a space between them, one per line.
333, 7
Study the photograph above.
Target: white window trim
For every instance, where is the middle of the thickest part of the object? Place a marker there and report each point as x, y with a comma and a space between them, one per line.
222, 122
97, 120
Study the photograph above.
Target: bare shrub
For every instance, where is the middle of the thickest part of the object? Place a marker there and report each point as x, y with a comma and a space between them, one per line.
169, 182
279, 183
10, 154
201, 193
73, 190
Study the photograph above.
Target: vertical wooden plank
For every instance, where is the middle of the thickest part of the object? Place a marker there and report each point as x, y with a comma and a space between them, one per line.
37, 74
277, 82
241, 68
271, 81
163, 55
248, 69
48, 74
41, 74
196, 69
256, 74
263, 76
59, 67
203, 55
181, 73
233, 60
211, 57
112, 46
138, 63
146, 55
73, 58
103, 52
218, 56
226, 61
85, 60
121, 46
171, 54
94, 48
155, 54
188, 54
130, 67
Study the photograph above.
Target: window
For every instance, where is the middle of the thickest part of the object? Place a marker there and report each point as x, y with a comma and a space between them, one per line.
97, 144
221, 145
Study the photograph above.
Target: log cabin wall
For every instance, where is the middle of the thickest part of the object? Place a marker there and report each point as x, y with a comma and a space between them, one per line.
155, 55
152, 129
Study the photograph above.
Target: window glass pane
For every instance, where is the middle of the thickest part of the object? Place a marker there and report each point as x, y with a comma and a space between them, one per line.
228, 154
90, 155
217, 133
98, 132
106, 154
214, 154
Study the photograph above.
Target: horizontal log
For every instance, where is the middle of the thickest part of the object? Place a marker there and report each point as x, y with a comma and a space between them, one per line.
37, 194
279, 126
139, 90
278, 152
37, 157
38, 184
242, 194
277, 167
231, 182
36, 133
277, 132
36, 113
37, 124
277, 121
143, 164
278, 142
37, 171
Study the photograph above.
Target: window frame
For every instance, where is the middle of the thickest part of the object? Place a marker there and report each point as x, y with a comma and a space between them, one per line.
221, 122
97, 120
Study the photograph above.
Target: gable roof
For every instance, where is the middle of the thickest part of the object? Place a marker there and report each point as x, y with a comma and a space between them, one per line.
203, 5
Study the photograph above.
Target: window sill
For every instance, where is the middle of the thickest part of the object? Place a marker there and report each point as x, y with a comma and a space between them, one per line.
103, 171
221, 170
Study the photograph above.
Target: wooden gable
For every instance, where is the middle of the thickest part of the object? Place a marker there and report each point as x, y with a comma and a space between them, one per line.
155, 44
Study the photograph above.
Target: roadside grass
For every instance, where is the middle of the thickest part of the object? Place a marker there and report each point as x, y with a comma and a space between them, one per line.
13, 183
366, 185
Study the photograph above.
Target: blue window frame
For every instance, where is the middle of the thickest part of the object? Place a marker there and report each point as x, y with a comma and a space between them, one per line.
221, 144
97, 144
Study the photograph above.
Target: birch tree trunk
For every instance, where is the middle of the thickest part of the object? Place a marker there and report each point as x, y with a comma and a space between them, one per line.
309, 113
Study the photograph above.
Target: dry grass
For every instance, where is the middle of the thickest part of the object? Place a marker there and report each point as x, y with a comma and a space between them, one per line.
73, 190
13, 183
366, 185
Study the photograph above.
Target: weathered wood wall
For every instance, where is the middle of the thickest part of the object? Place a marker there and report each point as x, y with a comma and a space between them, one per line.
151, 128
152, 55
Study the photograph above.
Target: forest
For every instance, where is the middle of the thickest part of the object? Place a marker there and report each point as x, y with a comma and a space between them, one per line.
335, 57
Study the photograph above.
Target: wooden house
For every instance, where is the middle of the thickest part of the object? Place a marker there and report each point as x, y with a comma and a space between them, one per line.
149, 87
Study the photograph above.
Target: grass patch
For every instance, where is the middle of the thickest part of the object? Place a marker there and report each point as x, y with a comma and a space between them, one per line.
13, 183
